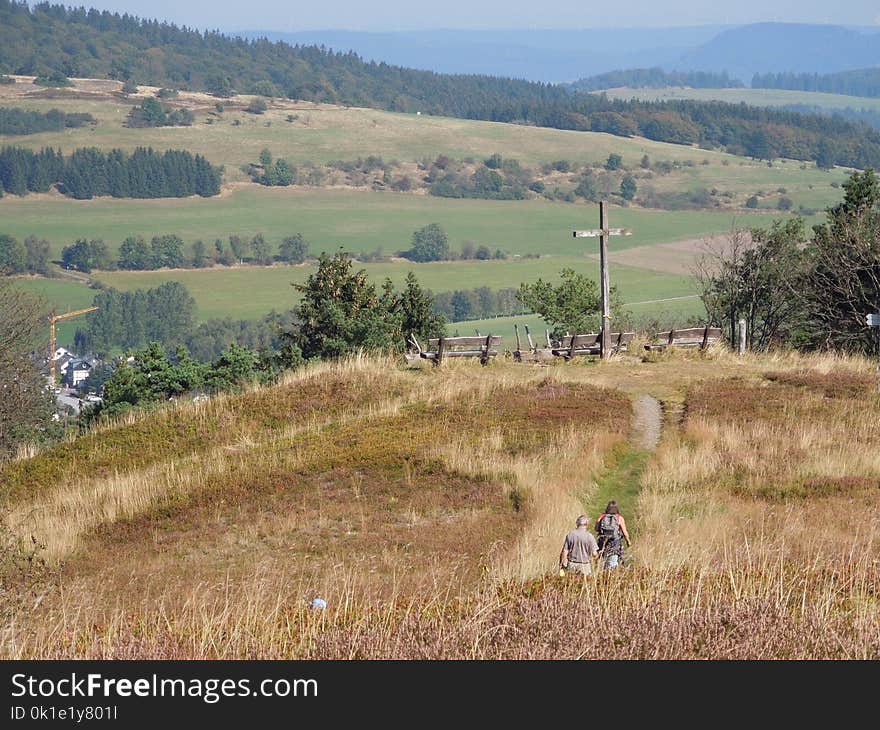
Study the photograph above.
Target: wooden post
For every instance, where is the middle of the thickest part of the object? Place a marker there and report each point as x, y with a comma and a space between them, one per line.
485, 356
547, 335
604, 351
705, 343
605, 286
516, 331
742, 337
529, 337
671, 338
439, 357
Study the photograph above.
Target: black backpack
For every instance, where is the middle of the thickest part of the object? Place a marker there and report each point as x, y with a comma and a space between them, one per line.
608, 529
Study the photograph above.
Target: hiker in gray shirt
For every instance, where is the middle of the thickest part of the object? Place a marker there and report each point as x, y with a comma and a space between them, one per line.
580, 549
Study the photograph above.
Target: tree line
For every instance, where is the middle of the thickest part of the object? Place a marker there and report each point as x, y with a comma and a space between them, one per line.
478, 303
128, 320
169, 251
802, 290
80, 42
30, 256
856, 82
656, 78
89, 172
22, 121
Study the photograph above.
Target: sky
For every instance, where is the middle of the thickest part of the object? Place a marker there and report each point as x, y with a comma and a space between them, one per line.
394, 15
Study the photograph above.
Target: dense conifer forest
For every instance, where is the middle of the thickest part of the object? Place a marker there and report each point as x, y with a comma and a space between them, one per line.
858, 82
657, 78
90, 172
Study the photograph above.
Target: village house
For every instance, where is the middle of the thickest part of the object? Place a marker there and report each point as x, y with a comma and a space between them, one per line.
76, 370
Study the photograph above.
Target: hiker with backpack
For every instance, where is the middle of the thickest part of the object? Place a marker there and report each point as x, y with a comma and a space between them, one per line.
579, 550
610, 531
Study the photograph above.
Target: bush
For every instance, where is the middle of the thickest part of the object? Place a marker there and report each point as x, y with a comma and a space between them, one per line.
56, 78
614, 162
429, 244
257, 106
752, 202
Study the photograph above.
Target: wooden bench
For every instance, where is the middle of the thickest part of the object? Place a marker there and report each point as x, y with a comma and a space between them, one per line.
534, 353
442, 347
700, 337
573, 345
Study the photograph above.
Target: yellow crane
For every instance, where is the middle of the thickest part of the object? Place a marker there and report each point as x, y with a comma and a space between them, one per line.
53, 318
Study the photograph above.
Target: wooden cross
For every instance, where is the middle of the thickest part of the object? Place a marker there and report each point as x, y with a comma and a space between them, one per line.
602, 232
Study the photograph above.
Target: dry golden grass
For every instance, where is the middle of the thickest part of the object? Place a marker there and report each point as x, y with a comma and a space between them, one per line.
430, 512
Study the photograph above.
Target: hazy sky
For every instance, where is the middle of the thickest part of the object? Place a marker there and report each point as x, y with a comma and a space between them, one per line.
417, 14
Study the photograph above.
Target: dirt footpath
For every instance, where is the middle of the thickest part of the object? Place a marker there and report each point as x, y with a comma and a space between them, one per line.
647, 422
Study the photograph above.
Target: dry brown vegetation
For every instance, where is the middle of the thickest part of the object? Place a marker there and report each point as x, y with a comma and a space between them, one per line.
427, 507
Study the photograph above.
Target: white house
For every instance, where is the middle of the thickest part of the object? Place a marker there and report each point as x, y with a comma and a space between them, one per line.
77, 371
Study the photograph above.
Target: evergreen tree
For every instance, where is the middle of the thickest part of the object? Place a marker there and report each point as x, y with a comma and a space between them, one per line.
416, 308
628, 187
341, 312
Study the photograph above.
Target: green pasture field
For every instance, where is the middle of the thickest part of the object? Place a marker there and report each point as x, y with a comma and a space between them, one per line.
323, 133
250, 292
753, 97
358, 221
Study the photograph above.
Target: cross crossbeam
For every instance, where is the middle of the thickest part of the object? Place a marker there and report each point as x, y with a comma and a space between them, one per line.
596, 232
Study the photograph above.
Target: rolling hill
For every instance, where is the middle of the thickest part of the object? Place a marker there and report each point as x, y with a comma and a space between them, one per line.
427, 508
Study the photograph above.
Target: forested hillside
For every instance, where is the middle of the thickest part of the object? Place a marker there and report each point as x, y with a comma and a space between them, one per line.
859, 82
655, 78
80, 42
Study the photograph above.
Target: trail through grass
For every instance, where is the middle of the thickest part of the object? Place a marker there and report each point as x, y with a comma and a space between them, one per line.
622, 480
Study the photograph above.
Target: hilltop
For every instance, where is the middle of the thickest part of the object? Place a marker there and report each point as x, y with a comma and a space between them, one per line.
428, 506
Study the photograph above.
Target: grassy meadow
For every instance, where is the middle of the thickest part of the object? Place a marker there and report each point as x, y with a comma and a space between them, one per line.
427, 506
358, 221
752, 97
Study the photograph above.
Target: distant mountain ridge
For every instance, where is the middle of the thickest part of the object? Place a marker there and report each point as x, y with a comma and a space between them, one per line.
570, 55
535, 55
785, 47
